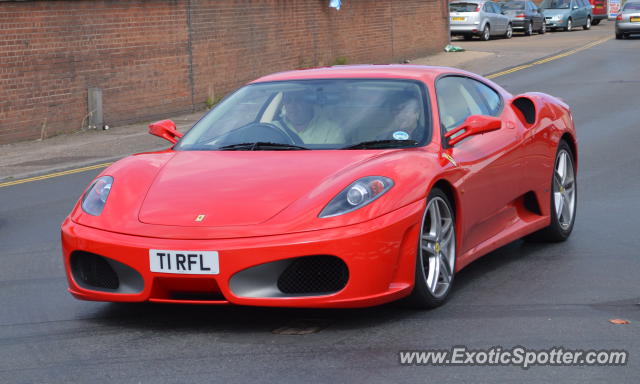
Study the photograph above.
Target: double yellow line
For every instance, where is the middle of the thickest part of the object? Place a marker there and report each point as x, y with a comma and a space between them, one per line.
56, 174
492, 76
548, 59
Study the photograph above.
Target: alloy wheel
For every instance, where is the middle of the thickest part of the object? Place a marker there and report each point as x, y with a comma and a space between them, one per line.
564, 192
438, 247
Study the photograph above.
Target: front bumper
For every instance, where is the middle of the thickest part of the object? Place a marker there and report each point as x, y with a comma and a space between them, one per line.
556, 23
380, 256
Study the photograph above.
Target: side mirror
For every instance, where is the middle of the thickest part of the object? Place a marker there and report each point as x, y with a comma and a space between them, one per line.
473, 125
165, 129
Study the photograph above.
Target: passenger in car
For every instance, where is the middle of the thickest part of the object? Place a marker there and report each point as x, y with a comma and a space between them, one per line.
301, 117
405, 113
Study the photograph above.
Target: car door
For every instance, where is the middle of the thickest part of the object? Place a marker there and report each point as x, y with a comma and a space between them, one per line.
494, 21
502, 20
490, 162
533, 15
577, 13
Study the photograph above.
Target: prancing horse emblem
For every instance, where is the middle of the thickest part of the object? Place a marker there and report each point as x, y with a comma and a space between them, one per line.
200, 218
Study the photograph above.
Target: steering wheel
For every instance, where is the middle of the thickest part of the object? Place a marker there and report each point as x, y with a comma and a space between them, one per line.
256, 131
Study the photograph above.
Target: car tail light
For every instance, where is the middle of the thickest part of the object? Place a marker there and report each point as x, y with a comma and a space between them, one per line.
520, 15
619, 17
478, 8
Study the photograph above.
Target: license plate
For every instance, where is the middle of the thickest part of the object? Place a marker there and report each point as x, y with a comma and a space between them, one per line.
184, 262
457, 18
635, 19
599, 7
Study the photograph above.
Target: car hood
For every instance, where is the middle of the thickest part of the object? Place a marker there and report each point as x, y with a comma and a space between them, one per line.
555, 12
223, 188
227, 194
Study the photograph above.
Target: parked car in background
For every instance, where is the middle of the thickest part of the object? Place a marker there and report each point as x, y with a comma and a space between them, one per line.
628, 20
478, 18
525, 16
566, 14
598, 11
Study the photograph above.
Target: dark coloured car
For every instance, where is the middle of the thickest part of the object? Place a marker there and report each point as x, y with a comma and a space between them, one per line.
525, 16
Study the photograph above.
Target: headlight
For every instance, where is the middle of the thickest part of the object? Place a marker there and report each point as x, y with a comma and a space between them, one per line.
357, 195
96, 197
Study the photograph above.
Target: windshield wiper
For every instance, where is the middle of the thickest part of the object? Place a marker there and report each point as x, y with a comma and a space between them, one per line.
375, 144
260, 145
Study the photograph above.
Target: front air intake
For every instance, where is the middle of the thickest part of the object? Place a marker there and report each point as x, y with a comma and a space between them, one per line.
93, 271
314, 275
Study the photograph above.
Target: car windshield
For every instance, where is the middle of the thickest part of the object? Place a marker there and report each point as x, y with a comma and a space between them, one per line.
463, 7
513, 5
631, 7
315, 114
556, 4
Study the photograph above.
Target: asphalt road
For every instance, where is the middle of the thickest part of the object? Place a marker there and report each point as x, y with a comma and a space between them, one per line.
534, 295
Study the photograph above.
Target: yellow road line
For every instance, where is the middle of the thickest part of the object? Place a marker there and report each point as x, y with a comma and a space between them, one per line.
493, 76
56, 174
548, 59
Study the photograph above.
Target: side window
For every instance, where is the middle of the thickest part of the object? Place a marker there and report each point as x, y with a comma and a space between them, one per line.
488, 98
460, 97
486, 8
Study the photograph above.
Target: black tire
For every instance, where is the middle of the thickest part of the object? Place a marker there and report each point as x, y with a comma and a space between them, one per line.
528, 28
569, 26
543, 28
486, 33
595, 22
554, 232
509, 33
587, 25
421, 297
619, 36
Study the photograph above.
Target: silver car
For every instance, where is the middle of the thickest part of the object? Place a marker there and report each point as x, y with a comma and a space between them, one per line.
628, 20
478, 18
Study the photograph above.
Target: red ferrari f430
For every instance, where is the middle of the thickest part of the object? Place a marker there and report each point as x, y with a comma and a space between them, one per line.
345, 186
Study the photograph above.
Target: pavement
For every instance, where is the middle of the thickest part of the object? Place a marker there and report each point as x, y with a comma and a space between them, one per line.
89, 147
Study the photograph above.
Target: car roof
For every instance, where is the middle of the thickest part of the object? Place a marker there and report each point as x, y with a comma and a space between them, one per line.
389, 71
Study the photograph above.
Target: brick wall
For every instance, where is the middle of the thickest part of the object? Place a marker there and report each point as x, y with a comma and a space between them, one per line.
153, 58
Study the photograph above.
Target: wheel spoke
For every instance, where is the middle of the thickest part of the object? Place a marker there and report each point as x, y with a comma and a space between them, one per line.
445, 271
446, 227
429, 237
561, 168
435, 275
557, 178
568, 169
559, 201
435, 222
566, 213
446, 239
429, 248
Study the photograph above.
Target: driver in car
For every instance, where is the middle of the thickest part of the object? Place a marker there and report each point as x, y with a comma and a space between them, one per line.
299, 116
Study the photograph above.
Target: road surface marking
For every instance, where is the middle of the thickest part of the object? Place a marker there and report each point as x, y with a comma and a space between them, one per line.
56, 174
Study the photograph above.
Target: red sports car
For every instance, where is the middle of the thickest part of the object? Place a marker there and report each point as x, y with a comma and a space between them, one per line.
334, 187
